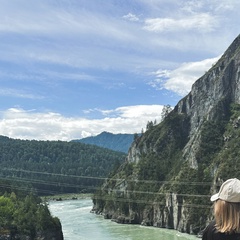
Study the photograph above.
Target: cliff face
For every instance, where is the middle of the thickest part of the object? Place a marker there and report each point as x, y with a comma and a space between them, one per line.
210, 96
174, 167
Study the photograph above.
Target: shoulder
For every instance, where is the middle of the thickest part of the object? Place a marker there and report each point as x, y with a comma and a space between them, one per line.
210, 227
210, 231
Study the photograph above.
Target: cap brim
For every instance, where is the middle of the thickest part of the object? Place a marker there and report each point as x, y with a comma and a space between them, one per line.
214, 197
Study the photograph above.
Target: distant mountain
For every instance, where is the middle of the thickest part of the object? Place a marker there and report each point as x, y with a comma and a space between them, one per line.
117, 142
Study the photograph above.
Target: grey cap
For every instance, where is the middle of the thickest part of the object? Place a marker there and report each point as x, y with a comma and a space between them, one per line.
229, 191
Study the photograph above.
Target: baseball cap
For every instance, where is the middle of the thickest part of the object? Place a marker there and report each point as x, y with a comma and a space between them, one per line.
229, 191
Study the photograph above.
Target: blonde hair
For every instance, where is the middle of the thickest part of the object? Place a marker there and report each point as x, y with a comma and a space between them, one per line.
227, 216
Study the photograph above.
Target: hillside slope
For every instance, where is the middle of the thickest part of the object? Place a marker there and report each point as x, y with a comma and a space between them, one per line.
174, 167
56, 167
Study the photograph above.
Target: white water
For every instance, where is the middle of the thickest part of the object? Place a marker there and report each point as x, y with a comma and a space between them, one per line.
79, 224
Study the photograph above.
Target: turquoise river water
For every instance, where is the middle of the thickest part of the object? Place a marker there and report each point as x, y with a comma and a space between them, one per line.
79, 224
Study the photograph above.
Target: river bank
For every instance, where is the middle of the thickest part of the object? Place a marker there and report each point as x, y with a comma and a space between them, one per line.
79, 223
70, 196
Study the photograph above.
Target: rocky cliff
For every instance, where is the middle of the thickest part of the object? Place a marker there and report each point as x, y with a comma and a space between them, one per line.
174, 167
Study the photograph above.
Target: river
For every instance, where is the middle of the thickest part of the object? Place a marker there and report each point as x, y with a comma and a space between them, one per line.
79, 224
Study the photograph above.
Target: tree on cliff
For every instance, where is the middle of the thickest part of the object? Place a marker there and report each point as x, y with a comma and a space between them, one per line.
165, 111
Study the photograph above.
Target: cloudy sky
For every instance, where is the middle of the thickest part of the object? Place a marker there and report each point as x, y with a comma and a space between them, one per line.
74, 68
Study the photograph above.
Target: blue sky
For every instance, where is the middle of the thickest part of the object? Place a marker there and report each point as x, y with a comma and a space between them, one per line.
74, 68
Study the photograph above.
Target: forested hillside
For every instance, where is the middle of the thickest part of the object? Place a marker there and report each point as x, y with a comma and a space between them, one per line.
24, 216
56, 166
117, 142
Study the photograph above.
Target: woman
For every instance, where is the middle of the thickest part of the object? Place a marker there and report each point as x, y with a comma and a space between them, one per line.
226, 225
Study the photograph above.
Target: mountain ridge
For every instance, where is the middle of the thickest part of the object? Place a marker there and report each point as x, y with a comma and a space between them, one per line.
118, 142
173, 168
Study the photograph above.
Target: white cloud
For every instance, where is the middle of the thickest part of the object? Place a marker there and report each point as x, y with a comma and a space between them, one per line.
181, 79
134, 112
131, 17
192, 6
10, 92
22, 124
201, 21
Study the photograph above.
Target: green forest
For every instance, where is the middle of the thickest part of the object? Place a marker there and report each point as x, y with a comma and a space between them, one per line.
23, 214
53, 167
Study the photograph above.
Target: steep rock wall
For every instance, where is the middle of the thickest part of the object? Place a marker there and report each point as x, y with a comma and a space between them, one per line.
154, 186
